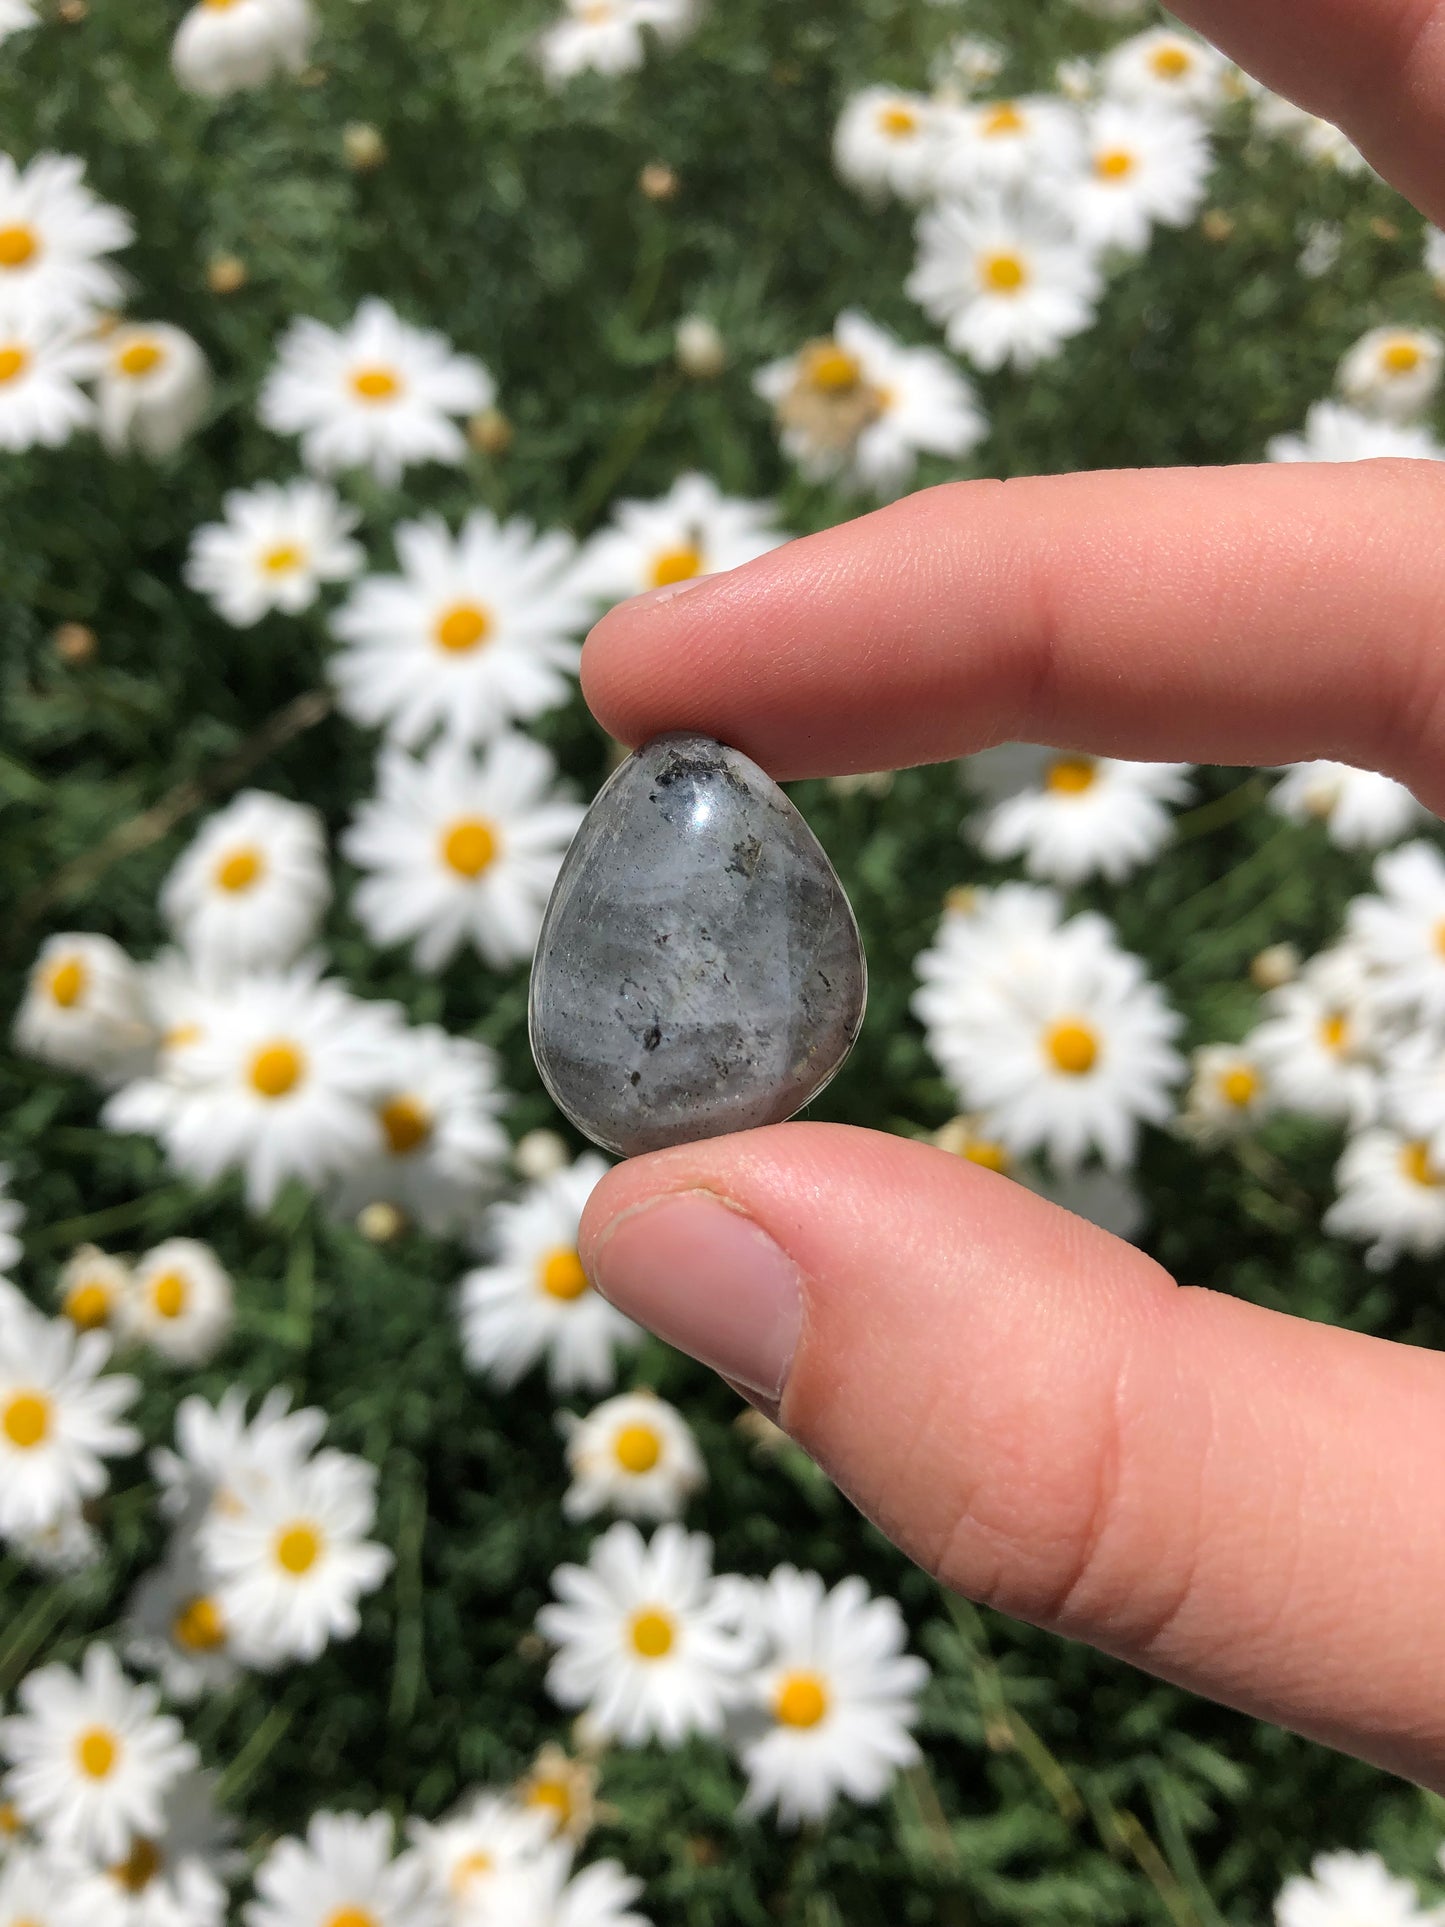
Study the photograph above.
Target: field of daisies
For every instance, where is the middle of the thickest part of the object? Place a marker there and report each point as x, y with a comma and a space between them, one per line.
361, 1566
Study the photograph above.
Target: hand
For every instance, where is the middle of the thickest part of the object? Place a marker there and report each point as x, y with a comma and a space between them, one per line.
1245, 1503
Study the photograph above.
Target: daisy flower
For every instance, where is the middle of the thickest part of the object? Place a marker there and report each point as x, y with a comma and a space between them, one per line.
691, 531
378, 394
1335, 433
182, 1004
645, 1637
1003, 145
279, 542
1005, 286
885, 143
1071, 816
1344, 1889
1166, 68
1318, 140
969, 61
172, 1879
542, 1895
837, 1693
15, 17
32, 1888
1229, 1094
633, 1454
470, 1855
60, 1416
176, 1628
84, 1008
1143, 168
221, 1457
1360, 809
479, 630
438, 1146
606, 36
563, 1790
1317, 1041
42, 363
343, 1874
534, 1301
1401, 931
1391, 1197
54, 237
251, 889
858, 407
92, 1287
991, 937
180, 1302
1412, 1089
292, 1563
280, 1084
154, 389
67, 1544
1393, 372
459, 850
223, 46
12, 1216
91, 1760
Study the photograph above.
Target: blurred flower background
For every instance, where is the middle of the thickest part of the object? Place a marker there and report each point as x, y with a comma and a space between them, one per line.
361, 1567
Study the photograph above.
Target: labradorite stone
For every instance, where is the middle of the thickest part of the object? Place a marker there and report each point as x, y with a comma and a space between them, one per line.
699, 968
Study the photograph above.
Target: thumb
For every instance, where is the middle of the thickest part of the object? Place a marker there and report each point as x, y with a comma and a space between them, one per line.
1242, 1502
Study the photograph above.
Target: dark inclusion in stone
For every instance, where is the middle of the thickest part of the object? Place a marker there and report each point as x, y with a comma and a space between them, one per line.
699, 968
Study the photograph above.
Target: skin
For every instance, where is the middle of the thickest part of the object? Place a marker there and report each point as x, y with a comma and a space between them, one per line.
1236, 1500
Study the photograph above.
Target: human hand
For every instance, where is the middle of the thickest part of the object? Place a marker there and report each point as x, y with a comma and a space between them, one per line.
1242, 1502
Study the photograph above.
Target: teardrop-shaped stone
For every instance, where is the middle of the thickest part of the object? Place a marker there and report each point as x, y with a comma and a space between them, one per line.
699, 968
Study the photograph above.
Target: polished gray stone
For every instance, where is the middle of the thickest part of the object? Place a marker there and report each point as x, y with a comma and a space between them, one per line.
699, 968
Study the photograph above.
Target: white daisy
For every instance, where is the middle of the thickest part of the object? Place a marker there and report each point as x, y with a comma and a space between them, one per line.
534, 1301
154, 389
994, 145
646, 1637
32, 1888
42, 363
607, 37
1229, 1094
1143, 167
1071, 816
91, 1288
221, 1457
991, 937
835, 1692
461, 850
60, 1416
563, 1790
91, 1760
180, 1302
1412, 1090
378, 394
479, 630
1401, 931
174, 1878
438, 1147
176, 1628
292, 1563
280, 1084
469, 1856
1349, 1890
1361, 809
343, 1874
181, 1004
1317, 1041
1005, 285
885, 142
224, 45
252, 886
542, 1895
1335, 433
84, 1008
1393, 372
69, 1543
693, 530
15, 17
1316, 139
634, 1454
54, 237
276, 547
12, 1216
1165, 67
859, 407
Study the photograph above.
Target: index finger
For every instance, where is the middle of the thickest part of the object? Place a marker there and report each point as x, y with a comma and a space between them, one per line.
1254, 615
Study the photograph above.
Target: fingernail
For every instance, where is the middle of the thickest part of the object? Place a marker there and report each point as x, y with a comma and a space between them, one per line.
708, 1280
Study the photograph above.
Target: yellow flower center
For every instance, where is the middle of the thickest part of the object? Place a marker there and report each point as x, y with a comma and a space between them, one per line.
560, 1274
638, 1448
240, 869
282, 560
1114, 165
553, 1795
676, 565
13, 363
463, 628
1335, 1030
26, 1420
1401, 358
407, 1124
219, 6
375, 384
87, 1305
140, 1866
1003, 119
1415, 1162
1073, 1048
96, 1752
1070, 775
1239, 1086
298, 1548
1002, 273
652, 1634
139, 358
198, 1626
10, 1822
18, 244
352, 1917
469, 847
1171, 62
982, 1150
471, 1868
801, 1700
898, 121
67, 982
277, 1069
169, 1294
831, 368
181, 1036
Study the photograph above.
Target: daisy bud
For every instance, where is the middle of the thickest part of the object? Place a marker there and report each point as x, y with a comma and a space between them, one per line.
701, 350
75, 644
226, 274
539, 1154
490, 433
1276, 965
1216, 224
380, 1223
658, 181
363, 146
